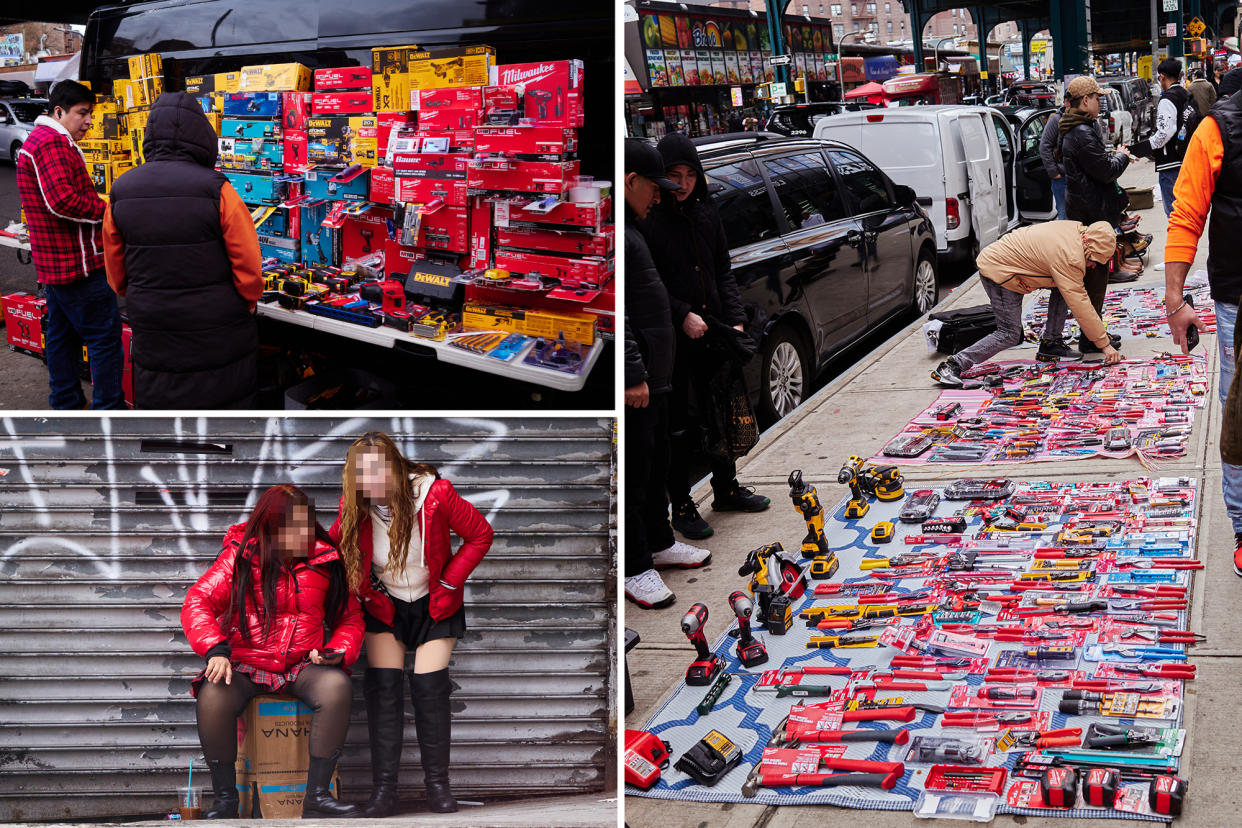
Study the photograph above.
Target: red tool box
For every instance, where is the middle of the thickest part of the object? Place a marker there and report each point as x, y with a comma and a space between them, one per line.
345, 77
445, 229
364, 234
23, 322
558, 241
565, 214
383, 185
594, 271
552, 90
341, 103
296, 109
480, 233
431, 164
418, 187
531, 140
506, 174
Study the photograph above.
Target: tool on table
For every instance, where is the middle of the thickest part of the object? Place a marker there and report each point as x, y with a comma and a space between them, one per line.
965, 778
848, 476
1059, 787
1034, 739
645, 756
919, 506
702, 671
785, 735
1144, 653
1157, 635
479, 343
1171, 671
750, 651
1167, 792
824, 642
785, 768
1106, 736
1099, 786
815, 545
972, 718
1009, 693
713, 693
772, 574
1050, 653
710, 758
1160, 563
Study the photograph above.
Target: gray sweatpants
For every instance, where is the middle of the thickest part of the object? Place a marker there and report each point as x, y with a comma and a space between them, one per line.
1007, 307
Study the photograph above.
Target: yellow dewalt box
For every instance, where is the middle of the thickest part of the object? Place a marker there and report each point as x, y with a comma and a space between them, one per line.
214, 118
577, 327
227, 82
137, 118
146, 66
136, 137
101, 175
275, 77
390, 84
94, 150
152, 88
127, 94
446, 68
118, 146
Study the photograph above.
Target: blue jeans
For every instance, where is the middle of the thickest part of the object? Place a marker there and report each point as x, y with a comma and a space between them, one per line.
1231, 476
1167, 179
84, 311
1058, 196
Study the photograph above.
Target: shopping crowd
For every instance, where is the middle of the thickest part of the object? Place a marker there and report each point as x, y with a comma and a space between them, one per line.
173, 238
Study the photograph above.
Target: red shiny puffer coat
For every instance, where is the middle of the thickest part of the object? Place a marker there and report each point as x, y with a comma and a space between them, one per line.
297, 624
443, 510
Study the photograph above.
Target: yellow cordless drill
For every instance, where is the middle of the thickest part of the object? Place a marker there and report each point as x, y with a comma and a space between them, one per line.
850, 474
815, 545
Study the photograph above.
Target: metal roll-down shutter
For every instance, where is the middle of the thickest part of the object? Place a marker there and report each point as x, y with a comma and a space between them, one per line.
104, 524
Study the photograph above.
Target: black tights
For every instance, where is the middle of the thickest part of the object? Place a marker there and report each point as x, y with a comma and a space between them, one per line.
326, 690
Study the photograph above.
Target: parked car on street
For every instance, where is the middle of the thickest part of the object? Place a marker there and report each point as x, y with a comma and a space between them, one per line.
824, 247
14, 89
1137, 99
1031, 93
17, 119
977, 173
799, 120
1115, 119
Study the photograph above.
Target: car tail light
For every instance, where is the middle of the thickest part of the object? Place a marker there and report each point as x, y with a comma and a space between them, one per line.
875, 118
952, 216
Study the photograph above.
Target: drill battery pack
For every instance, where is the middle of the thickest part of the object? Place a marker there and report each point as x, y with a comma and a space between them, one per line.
710, 758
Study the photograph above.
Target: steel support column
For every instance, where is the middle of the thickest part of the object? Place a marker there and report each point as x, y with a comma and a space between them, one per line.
1070, 37
776, 33
915, 9
1176, 44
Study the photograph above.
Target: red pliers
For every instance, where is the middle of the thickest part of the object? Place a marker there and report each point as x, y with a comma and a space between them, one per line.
1148, 604
1155, 634
1161, 563
970, 718
1150, 590
1066, 737
1170, 671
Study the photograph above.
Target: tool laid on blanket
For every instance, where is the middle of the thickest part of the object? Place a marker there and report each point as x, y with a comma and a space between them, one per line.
775, 582
815, 545
750, 651
710, 758
646, 755
702, 671
800, 767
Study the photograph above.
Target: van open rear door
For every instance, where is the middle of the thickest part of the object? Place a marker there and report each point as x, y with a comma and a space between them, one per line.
1034, 189
986, 178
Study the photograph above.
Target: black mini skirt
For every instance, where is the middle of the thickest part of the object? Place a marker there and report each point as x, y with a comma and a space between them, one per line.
413, 625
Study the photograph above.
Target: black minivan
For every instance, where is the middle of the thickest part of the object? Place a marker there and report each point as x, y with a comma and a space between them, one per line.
824, 247
199, 37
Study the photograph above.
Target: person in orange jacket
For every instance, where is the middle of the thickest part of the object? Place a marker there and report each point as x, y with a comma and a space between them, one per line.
180, 246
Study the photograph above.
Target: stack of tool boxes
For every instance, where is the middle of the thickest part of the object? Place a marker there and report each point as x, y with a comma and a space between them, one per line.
113, 144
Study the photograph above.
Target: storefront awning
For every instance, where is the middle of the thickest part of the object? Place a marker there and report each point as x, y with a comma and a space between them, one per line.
51, 71
867, 90
881, 68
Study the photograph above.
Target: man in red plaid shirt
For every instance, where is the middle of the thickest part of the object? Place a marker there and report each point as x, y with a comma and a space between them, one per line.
64, 217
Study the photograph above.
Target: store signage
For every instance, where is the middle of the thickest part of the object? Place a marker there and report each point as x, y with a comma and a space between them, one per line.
735, 95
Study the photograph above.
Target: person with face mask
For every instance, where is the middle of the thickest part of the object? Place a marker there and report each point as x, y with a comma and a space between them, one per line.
393, 531
258, 616
64, 217
688, 245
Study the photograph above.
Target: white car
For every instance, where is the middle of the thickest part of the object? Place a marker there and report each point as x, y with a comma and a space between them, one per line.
17, 117
1119, 123
977, 175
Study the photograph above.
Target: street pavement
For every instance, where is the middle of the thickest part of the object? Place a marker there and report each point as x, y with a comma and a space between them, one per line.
856, 414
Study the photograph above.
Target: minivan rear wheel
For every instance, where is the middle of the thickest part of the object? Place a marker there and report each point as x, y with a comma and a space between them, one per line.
785, 373
17, 145
926, 289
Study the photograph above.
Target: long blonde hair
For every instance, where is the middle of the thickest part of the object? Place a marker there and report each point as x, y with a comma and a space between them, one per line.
401, 501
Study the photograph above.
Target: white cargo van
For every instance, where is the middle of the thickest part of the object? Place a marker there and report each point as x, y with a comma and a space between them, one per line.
977, 174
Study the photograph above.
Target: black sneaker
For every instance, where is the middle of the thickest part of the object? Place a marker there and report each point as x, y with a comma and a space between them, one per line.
1121, 277
1086, 346
1056, 351
686, 519
740, 499
948, 374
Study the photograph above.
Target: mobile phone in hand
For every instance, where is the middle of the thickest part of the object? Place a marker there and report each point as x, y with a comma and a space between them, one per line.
1192, 333
329, 654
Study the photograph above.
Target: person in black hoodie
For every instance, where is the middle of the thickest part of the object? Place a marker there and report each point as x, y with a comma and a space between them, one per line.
649, 350
1091, 192
688, 244
180, 245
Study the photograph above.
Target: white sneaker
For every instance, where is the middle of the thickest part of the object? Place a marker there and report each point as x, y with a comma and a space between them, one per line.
1159, 267
647, 589
681, 556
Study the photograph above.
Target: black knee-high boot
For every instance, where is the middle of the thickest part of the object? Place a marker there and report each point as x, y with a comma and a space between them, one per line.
319, 801
433, 718
385, 698
224, 785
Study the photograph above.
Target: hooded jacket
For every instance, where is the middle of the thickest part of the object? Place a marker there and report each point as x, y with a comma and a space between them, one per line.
182, 249
650, 343
298, 618
1091, 172
441, 509
1054, 255
689, 248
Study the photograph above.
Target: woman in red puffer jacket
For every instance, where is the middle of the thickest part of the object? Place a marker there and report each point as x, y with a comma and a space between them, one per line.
258, 616
394, 535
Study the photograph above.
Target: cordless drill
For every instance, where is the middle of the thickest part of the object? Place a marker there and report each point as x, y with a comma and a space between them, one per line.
702, 670
750, 651
815, 545
848, 476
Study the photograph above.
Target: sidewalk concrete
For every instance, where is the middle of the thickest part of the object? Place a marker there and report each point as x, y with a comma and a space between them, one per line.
584, 811
857, 414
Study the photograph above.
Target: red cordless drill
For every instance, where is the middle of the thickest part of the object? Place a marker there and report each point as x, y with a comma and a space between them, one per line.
703, 669
749, 650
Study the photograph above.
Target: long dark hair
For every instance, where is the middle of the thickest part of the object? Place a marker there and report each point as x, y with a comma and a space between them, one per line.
270, 514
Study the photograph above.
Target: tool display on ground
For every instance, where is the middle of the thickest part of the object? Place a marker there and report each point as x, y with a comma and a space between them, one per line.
1129, 312
1011, 647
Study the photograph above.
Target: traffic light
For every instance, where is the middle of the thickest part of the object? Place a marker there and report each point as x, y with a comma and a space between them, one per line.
799, 85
